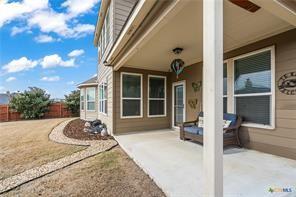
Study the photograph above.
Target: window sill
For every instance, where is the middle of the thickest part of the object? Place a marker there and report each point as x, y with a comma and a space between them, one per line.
130, 117
91, 110
259, 126
103, 113
157, 116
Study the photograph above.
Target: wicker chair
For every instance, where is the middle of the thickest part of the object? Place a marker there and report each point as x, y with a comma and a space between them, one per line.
191, 131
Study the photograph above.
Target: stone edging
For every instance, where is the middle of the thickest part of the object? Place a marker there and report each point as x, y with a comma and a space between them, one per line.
95, 147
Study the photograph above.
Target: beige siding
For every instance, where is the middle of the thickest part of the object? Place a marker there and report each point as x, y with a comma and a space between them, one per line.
106, 75
85, 114
145, 123
122, 9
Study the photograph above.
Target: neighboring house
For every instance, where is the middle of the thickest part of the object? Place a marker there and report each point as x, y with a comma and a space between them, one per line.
139, 91
4, 98
89, 99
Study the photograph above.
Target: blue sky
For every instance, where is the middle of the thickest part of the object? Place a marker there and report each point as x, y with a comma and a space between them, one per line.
47, 43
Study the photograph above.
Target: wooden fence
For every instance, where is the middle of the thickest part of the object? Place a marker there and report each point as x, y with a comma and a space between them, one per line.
56, 110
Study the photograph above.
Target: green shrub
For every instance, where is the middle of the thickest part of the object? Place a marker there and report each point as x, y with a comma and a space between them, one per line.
31, 104
72, 102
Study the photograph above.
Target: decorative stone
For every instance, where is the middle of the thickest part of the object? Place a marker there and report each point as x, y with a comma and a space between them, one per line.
87, 124
104, 132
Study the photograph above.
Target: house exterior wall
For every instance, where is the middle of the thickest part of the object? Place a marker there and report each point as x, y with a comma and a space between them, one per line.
191, 74
281, 140
118, 12
106, 75
85, 114
144, 123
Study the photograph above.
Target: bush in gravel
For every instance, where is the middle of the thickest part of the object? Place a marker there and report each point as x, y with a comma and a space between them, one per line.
31, 104
72, 102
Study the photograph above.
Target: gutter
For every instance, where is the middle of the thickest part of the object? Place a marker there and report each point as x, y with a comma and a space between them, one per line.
86, 84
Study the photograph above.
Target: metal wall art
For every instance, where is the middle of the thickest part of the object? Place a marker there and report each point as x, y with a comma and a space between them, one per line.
196, 86
287, 83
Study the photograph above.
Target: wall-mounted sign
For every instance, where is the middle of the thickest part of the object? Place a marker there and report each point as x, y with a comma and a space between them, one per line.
287, 83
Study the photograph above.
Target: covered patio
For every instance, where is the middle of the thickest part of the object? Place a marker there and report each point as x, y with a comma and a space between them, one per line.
177, 166
212, 34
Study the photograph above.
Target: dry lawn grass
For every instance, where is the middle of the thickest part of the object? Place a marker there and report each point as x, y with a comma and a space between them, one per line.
25, 144
109, 174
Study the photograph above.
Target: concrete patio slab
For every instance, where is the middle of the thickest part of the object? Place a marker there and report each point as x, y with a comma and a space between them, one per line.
176, 166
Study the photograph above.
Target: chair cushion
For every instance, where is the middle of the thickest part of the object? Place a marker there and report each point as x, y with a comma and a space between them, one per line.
194, 130
226, 116
231, 117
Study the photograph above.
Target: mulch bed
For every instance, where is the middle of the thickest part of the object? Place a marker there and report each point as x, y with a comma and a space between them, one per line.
74, 129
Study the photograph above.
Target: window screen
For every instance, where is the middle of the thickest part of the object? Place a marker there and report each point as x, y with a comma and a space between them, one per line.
157, 95
131, 95
252, 88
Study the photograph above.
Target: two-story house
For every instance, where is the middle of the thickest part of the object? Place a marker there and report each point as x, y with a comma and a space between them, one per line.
140, 87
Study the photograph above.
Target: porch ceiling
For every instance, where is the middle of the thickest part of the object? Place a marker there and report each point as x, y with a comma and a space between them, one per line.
185, 30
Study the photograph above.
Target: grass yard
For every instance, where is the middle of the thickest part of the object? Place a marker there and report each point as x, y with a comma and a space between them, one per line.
110, 174
25, 144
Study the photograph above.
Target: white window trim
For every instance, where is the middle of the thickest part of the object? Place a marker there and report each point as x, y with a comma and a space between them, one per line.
162, 99
82, 93
272, 93
103, 99
121, 97
87, 101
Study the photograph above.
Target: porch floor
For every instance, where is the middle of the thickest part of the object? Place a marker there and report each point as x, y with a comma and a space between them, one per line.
176, 166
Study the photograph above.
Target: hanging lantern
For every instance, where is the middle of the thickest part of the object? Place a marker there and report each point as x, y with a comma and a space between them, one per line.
177, 66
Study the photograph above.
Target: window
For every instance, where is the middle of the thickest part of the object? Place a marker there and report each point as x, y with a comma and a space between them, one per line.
131, 95
253, 82
156, 96
90, 99
103, 98
82, 99
225, 88
107, 21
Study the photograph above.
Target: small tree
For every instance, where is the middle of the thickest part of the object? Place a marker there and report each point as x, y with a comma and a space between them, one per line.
32, 104
72, 102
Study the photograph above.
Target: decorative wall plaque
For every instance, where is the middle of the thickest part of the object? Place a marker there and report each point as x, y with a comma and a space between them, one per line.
287, 83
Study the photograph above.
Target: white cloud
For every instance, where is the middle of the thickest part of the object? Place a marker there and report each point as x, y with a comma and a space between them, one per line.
13, 10
75, 7
70, 83
10, 79
19, 65
76, 53
50, 79
17, 30
39, 14
55, 60
44, 39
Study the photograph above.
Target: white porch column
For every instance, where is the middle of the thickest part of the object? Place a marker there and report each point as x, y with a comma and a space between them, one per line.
212, 97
